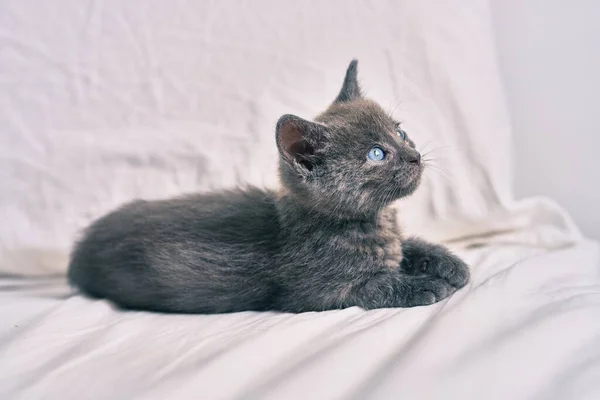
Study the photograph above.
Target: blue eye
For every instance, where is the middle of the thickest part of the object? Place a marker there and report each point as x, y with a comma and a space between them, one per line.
401, 133
376, 154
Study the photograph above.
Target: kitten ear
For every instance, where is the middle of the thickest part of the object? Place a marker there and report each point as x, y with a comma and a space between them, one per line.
350, 89
297, 140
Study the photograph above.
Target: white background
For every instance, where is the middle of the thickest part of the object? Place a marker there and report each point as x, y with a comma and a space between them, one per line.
549, 54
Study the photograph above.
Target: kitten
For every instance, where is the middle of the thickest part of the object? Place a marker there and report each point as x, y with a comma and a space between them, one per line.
327, 240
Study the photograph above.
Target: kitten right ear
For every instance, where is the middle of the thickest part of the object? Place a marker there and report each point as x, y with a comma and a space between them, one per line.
298, 140
350, 89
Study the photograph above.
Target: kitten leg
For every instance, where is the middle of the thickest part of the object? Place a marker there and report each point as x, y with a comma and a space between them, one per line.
397, 289
433, 261
427, 274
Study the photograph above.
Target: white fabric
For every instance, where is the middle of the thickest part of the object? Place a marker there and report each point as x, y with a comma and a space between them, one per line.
105, 101
527, 327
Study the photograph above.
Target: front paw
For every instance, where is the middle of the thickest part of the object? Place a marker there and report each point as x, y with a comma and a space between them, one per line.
425, 290
436, 262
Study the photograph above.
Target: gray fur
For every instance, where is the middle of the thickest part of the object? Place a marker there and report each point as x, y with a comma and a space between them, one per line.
328, 239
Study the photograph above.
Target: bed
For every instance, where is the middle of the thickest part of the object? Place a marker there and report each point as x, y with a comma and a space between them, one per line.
103, 102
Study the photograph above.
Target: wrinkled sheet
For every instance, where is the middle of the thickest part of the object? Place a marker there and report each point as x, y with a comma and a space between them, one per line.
526, 327
105, 101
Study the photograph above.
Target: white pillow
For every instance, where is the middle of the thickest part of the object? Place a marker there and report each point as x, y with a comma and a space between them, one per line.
101, 105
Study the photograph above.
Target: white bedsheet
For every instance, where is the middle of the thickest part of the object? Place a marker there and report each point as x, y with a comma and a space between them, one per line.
527, 327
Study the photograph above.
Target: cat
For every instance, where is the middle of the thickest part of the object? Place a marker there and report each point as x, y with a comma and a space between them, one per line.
327, 239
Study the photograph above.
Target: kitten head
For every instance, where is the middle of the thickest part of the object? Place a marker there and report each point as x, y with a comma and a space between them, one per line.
353, 160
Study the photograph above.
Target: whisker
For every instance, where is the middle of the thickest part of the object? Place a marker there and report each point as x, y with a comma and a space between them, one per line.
439, 148
444, 177
394, 106
427, 143
440, 170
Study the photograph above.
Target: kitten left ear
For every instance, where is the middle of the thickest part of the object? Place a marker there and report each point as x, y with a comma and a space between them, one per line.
297, 141
350, 89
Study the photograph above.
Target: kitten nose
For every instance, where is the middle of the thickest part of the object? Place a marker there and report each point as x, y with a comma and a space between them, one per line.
416, 159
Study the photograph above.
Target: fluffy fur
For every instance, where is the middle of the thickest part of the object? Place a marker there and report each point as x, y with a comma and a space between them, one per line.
327, 239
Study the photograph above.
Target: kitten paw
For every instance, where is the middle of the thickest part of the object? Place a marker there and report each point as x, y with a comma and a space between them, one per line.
437, 263
425, 291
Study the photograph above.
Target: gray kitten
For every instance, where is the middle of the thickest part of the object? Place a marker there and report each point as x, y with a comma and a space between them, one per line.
327, 240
